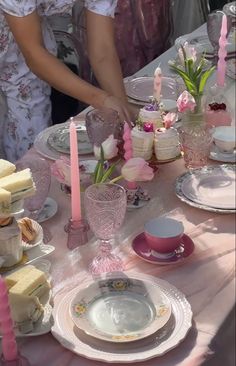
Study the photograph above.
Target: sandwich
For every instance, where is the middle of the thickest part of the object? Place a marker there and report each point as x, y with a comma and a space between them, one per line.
28, 291
5, 201
6, 168
19, 184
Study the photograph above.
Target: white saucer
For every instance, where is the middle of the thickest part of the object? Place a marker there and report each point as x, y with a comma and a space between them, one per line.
215, 154
48, 211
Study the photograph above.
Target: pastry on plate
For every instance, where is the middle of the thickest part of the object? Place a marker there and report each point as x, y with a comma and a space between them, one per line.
27, 229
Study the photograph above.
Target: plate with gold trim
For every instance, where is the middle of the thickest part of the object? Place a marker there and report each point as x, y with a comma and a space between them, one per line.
120, 309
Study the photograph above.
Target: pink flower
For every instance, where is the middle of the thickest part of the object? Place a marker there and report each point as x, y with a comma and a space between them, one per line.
61, 170
190, 52
186, 102
169, 119
148, 126
137, 170
109, 147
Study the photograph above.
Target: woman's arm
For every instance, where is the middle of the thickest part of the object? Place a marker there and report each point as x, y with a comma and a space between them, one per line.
103, 55
28, 35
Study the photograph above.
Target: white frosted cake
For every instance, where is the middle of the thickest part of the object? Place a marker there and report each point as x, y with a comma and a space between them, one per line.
142, 143
11, 250
151, 114
166, 143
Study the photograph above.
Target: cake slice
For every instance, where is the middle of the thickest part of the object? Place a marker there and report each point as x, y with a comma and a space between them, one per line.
6, 168
16, 276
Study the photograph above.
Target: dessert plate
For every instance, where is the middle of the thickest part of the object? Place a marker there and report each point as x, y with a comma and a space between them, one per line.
48, 211
31, 255
141, 248
217, 155
141, 89
216, 189
59, 140
41, 141
120, 309
44, 324
224, 175
167, 338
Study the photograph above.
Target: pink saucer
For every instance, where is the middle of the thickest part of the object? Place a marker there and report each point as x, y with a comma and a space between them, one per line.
143, 251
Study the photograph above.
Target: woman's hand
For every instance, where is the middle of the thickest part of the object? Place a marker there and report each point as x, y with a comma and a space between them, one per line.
119, 106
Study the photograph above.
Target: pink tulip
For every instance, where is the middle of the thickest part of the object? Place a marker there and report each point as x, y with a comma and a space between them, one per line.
186, 102
61, 170
169, 119
137, 170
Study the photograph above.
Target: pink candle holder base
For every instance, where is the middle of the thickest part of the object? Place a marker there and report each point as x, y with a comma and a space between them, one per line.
137, 198
77, 233
20, 361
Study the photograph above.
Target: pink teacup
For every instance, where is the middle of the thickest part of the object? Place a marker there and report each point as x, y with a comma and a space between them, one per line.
163, 234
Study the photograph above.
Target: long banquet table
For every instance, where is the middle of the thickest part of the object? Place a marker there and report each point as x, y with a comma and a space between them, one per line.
207, 277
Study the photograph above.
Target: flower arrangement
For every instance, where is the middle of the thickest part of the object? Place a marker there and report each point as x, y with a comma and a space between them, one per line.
194, 74
134, 170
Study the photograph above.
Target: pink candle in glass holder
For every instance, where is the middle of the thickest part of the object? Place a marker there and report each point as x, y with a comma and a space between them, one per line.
128, 150
9, 346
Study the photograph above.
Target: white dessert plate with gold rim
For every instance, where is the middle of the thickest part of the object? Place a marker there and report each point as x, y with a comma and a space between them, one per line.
120, 309
44, 324
160, 342
210, 188
141, 89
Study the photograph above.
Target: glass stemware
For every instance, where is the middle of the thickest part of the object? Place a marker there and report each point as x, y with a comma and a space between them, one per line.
214, 22
101, 123
105, 206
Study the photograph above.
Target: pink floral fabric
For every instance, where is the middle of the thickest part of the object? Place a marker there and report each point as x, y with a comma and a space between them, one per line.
28, 98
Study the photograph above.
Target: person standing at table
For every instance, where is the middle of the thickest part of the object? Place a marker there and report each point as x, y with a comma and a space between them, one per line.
28, 67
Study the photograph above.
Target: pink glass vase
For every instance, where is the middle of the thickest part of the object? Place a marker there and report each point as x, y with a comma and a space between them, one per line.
105, 206
195, 139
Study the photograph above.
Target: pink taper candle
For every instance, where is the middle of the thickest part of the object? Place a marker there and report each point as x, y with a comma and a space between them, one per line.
221, 66
75, 176
157, 84
128, 150
9, 346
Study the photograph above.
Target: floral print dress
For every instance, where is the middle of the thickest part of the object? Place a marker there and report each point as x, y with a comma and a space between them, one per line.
28, 97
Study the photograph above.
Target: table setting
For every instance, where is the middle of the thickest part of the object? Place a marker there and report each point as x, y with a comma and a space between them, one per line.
133, 222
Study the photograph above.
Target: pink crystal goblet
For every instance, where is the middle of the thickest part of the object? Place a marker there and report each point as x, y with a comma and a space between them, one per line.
105, 206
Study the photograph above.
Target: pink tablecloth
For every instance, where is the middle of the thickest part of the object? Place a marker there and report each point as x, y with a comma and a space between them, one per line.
206, 278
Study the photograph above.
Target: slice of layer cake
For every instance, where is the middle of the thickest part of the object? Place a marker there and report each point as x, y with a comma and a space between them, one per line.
6, 168
5, 201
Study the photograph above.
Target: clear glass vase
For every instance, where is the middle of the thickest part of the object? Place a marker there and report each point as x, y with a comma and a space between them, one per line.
196, 139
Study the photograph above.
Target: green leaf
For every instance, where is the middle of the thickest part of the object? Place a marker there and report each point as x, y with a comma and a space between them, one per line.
204, 78
108, 173
100, 172
102, 155
96, 172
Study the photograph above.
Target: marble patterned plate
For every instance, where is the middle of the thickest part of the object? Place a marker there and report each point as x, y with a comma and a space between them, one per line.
143, 251
120, 309
207, 171
157, 344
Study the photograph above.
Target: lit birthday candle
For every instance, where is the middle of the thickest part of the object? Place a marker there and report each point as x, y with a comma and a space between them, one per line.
157, 84
221, 66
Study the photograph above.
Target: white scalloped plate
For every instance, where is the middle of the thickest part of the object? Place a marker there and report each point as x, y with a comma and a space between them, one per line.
155, 345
